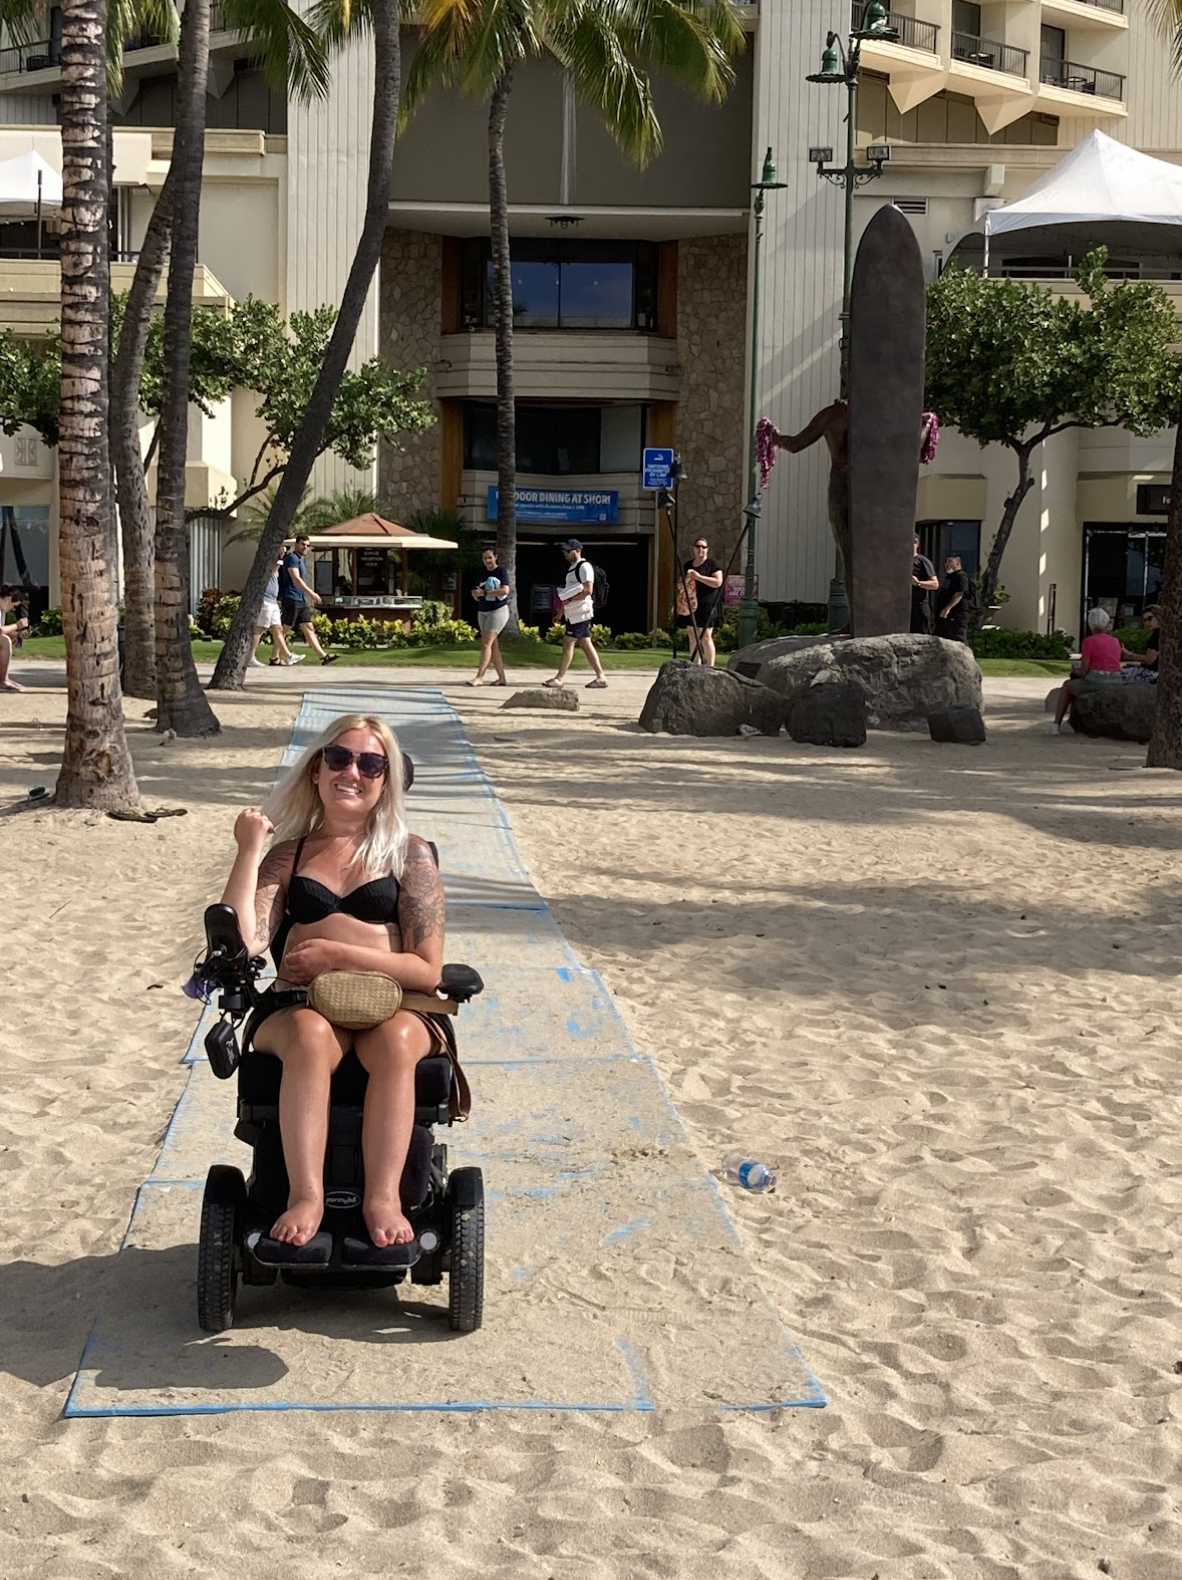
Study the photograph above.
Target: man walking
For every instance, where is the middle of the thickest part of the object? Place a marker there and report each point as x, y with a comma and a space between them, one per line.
578, 611
297, 596
952, 607
923, 581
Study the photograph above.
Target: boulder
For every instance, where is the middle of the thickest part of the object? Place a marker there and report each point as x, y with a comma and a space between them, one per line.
1121, 713
903, 677
958, 726
557, 699
831, 714
690, 699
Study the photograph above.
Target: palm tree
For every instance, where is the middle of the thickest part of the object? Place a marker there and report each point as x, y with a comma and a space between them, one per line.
607, 48
96, 765
335, 19
181, 705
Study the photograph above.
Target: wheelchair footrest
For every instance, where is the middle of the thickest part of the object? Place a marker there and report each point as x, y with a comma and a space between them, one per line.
278, 1253
363, 1253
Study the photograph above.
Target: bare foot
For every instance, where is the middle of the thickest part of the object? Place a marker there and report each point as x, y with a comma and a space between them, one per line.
300, 1222
11, 685
386, 1223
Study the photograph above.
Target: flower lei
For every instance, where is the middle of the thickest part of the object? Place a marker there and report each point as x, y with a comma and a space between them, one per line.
766, 449
929, 443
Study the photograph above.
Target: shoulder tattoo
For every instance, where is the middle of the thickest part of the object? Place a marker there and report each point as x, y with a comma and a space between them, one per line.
421, 905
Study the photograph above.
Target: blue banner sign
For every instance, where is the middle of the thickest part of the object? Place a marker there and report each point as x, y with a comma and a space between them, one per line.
564, 506
657, 469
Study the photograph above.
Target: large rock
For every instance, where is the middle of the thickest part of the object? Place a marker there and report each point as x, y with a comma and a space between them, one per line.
957, 726
689, 699
1121, 713
903, 678
831, 714
555, 699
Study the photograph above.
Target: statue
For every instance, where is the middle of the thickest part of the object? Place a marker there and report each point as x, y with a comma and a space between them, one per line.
833, 425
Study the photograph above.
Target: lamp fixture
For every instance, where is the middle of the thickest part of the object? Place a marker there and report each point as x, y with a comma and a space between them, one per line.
879, 154
876, 23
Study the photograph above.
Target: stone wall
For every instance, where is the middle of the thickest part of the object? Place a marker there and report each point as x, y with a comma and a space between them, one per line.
409, 335
711, 433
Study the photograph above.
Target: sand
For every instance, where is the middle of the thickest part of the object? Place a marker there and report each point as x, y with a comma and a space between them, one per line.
934, 986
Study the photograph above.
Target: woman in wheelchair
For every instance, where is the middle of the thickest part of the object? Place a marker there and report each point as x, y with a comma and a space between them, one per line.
333, 881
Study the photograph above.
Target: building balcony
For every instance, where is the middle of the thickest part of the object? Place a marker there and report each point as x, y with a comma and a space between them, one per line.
985, 54
37, 68
31, 293
1072, 91
912, 33
1101, 15
562, 365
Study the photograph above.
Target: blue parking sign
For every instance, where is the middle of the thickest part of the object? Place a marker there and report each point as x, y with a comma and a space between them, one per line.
658, 468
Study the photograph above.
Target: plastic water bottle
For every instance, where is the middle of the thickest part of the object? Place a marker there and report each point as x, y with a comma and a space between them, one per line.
747, 1173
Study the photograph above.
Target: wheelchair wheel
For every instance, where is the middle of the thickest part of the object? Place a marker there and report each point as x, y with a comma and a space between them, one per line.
466, 1275
218, 1257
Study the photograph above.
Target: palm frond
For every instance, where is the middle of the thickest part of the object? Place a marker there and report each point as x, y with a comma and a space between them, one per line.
693, 41
1166, 16
583, 40
291, 50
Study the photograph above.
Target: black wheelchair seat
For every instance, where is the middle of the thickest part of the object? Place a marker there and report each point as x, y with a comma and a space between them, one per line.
260, 1074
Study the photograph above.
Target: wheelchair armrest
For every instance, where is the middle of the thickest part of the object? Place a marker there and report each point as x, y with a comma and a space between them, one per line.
461, 983
226, 964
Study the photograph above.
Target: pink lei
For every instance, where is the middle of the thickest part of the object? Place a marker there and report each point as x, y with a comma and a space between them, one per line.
930, 440
766, 449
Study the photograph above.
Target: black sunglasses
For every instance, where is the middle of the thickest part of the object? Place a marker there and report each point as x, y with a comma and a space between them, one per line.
371, 765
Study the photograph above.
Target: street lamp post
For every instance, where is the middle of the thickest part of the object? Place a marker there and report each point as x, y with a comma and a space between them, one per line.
749, 609
842, 65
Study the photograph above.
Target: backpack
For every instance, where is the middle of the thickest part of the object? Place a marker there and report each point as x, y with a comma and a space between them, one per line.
601, 590
972, 598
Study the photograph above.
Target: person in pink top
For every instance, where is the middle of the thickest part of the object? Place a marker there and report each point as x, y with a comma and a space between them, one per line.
1099, 665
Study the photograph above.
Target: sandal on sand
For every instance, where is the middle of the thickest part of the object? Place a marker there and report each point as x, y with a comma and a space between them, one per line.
552, 684
476, 682
596, 685
330, 658
499, 682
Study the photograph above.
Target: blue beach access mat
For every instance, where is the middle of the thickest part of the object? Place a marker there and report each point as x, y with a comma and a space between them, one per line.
616, 1279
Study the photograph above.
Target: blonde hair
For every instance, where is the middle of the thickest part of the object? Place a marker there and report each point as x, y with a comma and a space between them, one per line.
295, 807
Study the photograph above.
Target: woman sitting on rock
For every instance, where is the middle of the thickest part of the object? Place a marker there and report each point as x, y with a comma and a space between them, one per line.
1143, 666
1099, 666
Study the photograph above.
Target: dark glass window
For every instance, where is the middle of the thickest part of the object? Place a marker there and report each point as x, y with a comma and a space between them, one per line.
566, 285
1123, 569
554, 440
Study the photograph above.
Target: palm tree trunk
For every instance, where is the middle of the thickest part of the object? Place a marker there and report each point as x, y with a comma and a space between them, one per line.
181, 705
96, 765
498, 224
309, 440
135, 516
1165, 745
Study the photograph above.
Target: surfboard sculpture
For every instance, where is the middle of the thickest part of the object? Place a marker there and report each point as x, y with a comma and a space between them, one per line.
885, 409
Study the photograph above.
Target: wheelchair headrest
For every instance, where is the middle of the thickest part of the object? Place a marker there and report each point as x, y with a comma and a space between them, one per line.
408, 771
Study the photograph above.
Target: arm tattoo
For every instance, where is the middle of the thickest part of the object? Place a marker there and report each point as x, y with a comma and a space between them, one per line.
421, 906
271, 894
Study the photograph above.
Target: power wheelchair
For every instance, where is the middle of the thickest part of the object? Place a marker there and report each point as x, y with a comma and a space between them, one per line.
445, 1210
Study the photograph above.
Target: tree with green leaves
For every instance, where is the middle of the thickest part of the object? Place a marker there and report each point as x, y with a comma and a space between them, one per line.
335, 20
1008, 362
607, 48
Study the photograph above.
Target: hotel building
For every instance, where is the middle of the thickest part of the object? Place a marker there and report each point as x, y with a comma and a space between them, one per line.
632, 289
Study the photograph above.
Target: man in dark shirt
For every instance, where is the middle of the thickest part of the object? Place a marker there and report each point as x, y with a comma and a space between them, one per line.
923, 581
952, 609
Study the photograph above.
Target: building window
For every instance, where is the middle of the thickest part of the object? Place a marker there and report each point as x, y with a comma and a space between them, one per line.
588, 285
1123, 569
557, 440
938, 539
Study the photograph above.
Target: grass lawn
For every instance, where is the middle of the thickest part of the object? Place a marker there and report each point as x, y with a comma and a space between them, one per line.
532, 656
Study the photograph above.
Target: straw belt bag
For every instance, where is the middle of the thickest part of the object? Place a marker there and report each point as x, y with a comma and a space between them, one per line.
359, 1000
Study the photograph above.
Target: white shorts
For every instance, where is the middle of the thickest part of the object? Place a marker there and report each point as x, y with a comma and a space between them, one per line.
494, 620
269, 614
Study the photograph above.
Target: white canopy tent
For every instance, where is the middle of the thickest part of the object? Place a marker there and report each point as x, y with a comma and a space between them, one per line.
1100, 194
28, 186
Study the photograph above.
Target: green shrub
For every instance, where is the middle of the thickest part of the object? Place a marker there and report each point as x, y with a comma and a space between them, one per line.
555, 634
447, 633
1134, 637
601, 635
659, 638
221, 612
631, 641
50, 623
527, 636
817, 628
995, 642
431, 613
365, 633
207, 608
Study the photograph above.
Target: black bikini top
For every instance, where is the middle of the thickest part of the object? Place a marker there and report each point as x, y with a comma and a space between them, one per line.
309, 901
